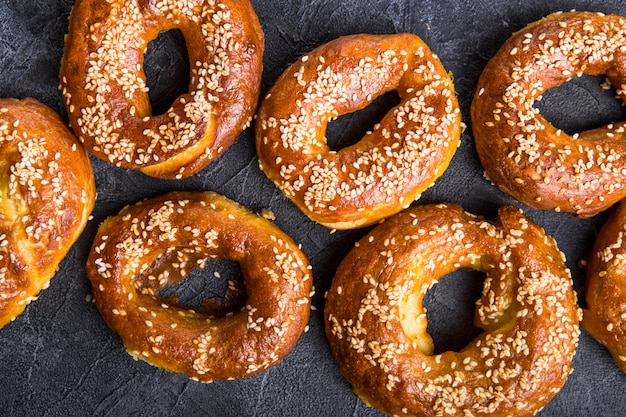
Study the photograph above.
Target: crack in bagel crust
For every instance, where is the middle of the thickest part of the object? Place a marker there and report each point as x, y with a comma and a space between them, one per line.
158, 242
605, 292
376, 323
525, 155
104, 86
390, 166
47, 192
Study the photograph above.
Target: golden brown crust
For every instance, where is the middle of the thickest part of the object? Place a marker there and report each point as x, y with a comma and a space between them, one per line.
103, 82
376, 323
157, 242
390, 166
525, 155
47, 192
605, 315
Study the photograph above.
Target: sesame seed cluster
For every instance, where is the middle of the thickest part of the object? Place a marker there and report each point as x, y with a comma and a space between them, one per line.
47, 192
605, 291
157, 243
525, 155
391, 165
104, 86
376, 323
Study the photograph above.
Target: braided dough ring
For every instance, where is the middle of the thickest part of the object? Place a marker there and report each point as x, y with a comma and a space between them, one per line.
47, 192
157, 242
389, 167
605, 315
105, 92
376, 323
525, 155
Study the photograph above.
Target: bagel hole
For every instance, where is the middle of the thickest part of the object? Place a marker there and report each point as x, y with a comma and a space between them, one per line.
166, 65
583, 103
348, 129
216, 289
450, 307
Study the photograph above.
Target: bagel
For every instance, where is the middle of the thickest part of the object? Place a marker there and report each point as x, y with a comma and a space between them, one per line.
376, 323
523, 153
104, 85
390, 166
156, 243
605, 315
47, 192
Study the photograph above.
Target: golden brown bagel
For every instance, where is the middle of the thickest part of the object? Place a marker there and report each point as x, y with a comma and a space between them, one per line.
525, 155
47, 192
605, 315
389, 167
104, 85
157, 242
376, 322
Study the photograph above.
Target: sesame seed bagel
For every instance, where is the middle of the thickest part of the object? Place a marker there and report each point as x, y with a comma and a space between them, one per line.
104, 85
47, 192
524, 154
376, 323
156, 243
389, 167
605, 315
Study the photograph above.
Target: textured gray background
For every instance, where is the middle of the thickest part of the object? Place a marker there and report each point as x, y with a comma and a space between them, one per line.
59, 358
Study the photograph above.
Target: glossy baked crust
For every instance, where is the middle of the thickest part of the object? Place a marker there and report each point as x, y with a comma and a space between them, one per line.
157, 242
376, 323
389, 167
522, 153
104, 85
47, 192
605, 293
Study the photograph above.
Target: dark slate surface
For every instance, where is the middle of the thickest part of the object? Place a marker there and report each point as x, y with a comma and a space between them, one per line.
59, 358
